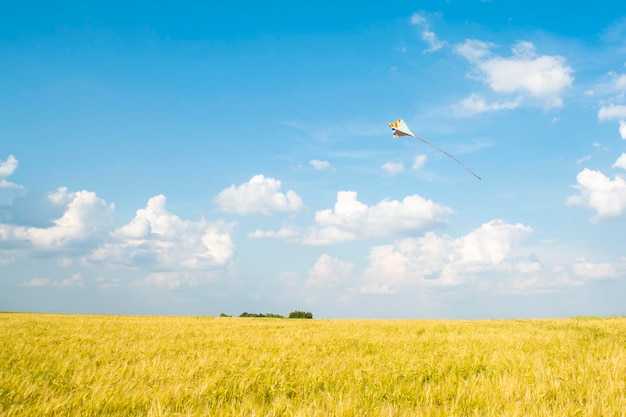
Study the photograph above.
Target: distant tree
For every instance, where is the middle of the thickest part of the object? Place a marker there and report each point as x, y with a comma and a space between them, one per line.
269, 315
224, 315
300, 315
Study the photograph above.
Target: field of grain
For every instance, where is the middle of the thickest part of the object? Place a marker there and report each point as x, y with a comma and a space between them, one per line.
61, 365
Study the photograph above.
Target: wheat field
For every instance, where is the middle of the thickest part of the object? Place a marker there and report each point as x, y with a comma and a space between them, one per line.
65, 365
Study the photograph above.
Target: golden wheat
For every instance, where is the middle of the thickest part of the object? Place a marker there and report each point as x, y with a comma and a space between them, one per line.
61, 365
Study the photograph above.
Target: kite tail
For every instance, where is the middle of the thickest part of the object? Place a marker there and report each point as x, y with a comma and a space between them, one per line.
451, 156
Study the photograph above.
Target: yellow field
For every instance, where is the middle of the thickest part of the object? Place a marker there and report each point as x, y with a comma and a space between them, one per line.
57, 365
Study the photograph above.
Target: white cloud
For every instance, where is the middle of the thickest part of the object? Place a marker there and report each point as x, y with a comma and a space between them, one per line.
138, 228
84, 214
393, 168
36, 282
219, 246
428, 36
474, 50
319, 165
616, 111
259, 195
612, 112
419, 161
169, 280
164, 241
328, 272
475, 103
619, 81
598, 192
8, 167
351, 219
433, 261
541, 77
75, 281
388, 269
6, 170
106, 283
283, 233
621, 162
590, 271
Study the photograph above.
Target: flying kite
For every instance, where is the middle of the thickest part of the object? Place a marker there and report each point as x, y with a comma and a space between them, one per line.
401, 129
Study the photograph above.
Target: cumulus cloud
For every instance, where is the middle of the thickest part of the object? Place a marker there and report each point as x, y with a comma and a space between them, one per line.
428, 36
319, 165
351, 219
393, 168
328, 272
84, 214
6, 170
475, 104
541, 77
8, 167
435, 261
615, 112
259, 195
612, 112
162, 240
621, 162
600, 193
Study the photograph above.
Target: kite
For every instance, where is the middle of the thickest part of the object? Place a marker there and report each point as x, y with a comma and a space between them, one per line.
401, 129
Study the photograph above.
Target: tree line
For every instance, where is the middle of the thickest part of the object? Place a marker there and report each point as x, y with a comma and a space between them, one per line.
293, 315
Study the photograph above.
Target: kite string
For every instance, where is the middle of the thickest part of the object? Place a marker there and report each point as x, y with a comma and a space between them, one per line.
450, 155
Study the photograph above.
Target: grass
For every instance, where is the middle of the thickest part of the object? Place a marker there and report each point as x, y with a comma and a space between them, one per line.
61, 365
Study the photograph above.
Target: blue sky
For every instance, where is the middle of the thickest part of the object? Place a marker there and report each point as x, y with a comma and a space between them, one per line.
199, 158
